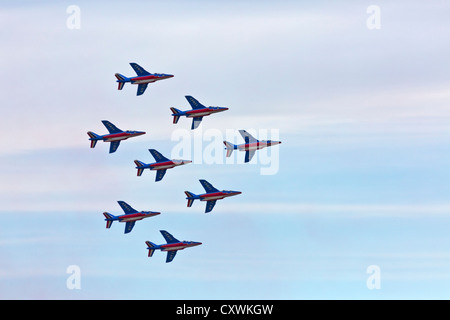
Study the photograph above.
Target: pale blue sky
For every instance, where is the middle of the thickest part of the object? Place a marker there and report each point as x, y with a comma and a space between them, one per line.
363, 167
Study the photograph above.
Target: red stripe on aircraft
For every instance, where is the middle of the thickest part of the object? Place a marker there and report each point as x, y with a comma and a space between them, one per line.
117, 135
144, 78
132, 215
198, 110
214, 194
159, 164
172, 245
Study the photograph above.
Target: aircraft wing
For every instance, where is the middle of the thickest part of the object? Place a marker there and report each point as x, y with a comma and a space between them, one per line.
170, 255
126, 207
129, 226
139, 70
194, 103
169, 238
158, 156
249, 155
113, 147
210, 205
196, 122
245, 135
208, 186
111, 128
141, 88
160, 174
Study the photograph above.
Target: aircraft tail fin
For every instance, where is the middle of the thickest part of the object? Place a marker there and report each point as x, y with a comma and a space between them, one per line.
108, 219
121, 80
94, 138
151, 247
190, 198
230, 147
139, 167
176, 114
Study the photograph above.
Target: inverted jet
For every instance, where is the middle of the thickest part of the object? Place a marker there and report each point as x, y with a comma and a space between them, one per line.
142, 79
197, 113
172, 246
130, 217
211, 196
115, 136
161, 165
250, 146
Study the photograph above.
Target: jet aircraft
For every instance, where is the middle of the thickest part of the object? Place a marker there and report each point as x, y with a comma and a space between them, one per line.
197, 113
130, 217
115, 136
161, 165
250, 146
142, 79
211, 196
172, 246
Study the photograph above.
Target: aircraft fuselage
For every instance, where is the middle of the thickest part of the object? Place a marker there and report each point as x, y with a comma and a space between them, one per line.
148, 79
162, 165
217, 195
178, 246
203, 112
121, 136
257, 145
136, 216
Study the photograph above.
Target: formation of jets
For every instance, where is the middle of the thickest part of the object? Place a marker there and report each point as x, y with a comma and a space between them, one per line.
161, 164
